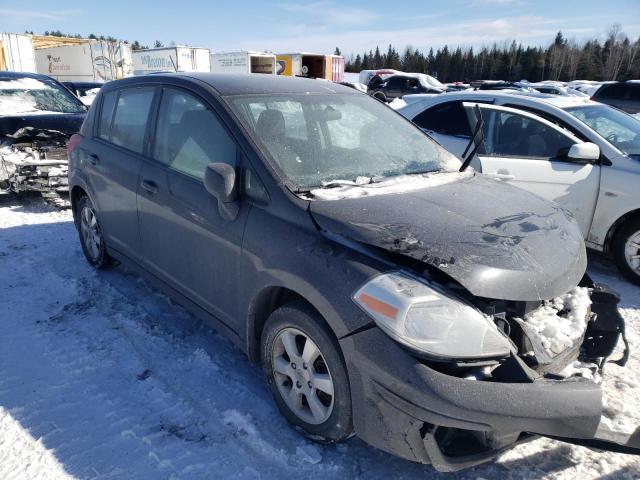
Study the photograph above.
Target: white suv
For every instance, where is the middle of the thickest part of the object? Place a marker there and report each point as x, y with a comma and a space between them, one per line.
579, 153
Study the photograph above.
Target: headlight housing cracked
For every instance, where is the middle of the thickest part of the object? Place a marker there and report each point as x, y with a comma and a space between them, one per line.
429, 320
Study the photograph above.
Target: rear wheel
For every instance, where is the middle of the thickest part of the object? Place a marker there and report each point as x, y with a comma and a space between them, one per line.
626, 250
306, 373
91, 238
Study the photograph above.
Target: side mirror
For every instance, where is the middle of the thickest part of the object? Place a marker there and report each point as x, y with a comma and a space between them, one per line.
220, 181
586, 152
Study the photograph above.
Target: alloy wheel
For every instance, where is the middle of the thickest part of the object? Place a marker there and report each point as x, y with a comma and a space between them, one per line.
632, 251
302, 376
90, 230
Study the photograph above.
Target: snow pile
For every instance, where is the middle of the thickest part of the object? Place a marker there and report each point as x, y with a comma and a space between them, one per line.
558, 324
427, 81
397, 103
399, 184
89, 96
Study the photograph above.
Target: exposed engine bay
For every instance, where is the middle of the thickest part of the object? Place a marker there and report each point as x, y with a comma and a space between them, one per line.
35, 160
571, 335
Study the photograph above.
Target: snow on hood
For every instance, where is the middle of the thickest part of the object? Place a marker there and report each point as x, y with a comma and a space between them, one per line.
497, 240
399, 184
550, 332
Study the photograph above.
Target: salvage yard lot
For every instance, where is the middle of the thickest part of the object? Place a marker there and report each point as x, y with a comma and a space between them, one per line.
102, 377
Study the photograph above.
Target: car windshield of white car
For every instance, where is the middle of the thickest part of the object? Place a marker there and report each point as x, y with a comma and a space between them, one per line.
317, 140
618, 128
26, 95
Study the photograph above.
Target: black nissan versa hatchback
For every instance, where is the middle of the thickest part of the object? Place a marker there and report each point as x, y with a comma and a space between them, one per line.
438, 314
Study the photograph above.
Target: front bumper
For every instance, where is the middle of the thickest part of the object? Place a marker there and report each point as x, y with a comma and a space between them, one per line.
403, 406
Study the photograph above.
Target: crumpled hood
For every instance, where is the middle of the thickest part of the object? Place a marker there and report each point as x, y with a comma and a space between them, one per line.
497, 240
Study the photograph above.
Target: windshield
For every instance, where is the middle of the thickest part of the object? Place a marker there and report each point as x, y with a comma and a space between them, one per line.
19, 96
325, 140
620, 129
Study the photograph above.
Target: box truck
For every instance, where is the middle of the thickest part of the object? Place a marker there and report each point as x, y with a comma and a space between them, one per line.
171, 59
16, 53
312, 65
243, 62
82, 59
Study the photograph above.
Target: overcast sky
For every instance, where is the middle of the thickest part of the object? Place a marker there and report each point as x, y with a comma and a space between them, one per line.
320, 26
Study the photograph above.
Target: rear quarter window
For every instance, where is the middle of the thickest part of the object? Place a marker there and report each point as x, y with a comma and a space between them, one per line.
106, 114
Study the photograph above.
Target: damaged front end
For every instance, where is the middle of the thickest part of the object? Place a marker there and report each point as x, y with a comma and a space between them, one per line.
480, 375
35, 160
495, 331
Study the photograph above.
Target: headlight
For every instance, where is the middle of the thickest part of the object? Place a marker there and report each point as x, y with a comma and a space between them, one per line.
427, 319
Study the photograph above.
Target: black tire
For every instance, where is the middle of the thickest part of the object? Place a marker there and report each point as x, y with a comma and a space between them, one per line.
101, 259
618, 246
300, 316
380, 96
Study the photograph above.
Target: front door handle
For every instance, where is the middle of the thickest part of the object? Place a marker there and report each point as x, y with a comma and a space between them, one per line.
150, 186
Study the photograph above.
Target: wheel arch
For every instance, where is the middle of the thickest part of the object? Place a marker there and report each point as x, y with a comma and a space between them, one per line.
263, 304
77, 192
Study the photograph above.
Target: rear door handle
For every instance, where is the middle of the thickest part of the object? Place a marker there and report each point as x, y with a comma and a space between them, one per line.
150, 186
94, 159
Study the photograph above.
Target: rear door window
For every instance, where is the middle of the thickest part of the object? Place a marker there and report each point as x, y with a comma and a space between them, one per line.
130, 118
189, 135
447, 118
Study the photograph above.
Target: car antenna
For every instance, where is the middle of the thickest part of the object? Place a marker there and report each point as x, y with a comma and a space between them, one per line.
466, 159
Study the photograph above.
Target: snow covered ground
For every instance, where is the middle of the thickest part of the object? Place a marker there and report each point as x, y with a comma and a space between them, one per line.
101, 377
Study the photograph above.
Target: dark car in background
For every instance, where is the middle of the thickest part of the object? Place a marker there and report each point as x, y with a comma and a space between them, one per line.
387, 88
386, 293
38, 115
85, 91
622, 95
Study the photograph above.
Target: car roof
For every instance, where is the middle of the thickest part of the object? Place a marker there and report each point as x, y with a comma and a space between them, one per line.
508, 95
37, 76
248, 84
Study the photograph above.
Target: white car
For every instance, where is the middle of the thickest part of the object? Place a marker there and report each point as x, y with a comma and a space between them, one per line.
581, 154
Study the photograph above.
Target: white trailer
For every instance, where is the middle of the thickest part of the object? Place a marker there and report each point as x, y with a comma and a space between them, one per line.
243, 62
82, 60
171, 59
16, 53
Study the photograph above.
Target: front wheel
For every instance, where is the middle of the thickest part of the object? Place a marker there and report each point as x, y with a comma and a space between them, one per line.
91, 238
626, 250
306, 373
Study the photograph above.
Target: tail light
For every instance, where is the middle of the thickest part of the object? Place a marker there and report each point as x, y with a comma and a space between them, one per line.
73, 142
